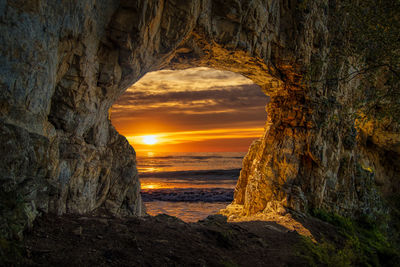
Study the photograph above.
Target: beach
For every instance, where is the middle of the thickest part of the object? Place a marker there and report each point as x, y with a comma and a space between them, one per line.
189, 186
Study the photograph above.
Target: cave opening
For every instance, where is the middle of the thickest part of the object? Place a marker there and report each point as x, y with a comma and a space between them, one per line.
190, 129
65, 64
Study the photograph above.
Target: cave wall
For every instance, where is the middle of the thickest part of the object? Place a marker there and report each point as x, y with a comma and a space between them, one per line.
63, 65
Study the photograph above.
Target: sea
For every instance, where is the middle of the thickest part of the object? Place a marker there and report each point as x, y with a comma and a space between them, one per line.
189, 186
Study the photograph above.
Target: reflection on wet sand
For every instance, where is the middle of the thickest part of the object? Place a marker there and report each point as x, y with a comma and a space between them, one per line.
186, 211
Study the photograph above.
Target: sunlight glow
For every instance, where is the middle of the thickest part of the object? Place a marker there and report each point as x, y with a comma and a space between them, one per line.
200, 135
149, 139
149, 186
184, 141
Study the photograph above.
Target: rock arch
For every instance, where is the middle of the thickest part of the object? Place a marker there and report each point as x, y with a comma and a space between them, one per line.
64, 66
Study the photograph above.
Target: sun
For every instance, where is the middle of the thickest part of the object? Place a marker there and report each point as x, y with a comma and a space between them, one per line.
149, 139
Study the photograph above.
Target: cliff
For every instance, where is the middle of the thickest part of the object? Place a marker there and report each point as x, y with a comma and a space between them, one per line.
63, 64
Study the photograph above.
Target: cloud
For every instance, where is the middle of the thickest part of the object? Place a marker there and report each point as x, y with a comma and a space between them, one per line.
194, 79
193, 75
138, 96
193, 99
213, 100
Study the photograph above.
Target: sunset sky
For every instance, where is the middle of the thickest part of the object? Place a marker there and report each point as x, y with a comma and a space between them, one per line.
193, 110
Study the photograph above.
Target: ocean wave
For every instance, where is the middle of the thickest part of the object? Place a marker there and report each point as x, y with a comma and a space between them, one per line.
155, 164
190, 157
195, 175
188, 195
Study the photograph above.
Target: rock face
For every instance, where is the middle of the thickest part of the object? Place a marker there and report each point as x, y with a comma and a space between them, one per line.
63, 65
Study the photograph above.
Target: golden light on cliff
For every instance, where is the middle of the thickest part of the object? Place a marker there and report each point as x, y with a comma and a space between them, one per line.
149, 139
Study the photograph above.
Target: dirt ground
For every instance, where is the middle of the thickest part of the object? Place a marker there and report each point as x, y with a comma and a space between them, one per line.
162, 240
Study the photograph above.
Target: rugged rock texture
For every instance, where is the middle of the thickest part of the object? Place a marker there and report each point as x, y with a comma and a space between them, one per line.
380, 147
59, 152
63, 65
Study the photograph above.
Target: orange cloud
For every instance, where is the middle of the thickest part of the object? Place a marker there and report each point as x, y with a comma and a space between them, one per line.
198, 108
181, 137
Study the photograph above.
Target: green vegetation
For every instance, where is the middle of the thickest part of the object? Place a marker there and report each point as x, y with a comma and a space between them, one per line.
363, 56
373, 30
394, 224
325, 254
10, 251
364, 53
13, 218
228, 263
359, 243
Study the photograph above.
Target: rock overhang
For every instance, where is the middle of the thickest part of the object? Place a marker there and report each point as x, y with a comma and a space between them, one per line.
63, 74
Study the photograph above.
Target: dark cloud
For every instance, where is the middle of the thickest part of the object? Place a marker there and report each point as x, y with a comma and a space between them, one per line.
216, 93
212, 100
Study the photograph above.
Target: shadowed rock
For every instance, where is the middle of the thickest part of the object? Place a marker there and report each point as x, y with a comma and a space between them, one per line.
64, 64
